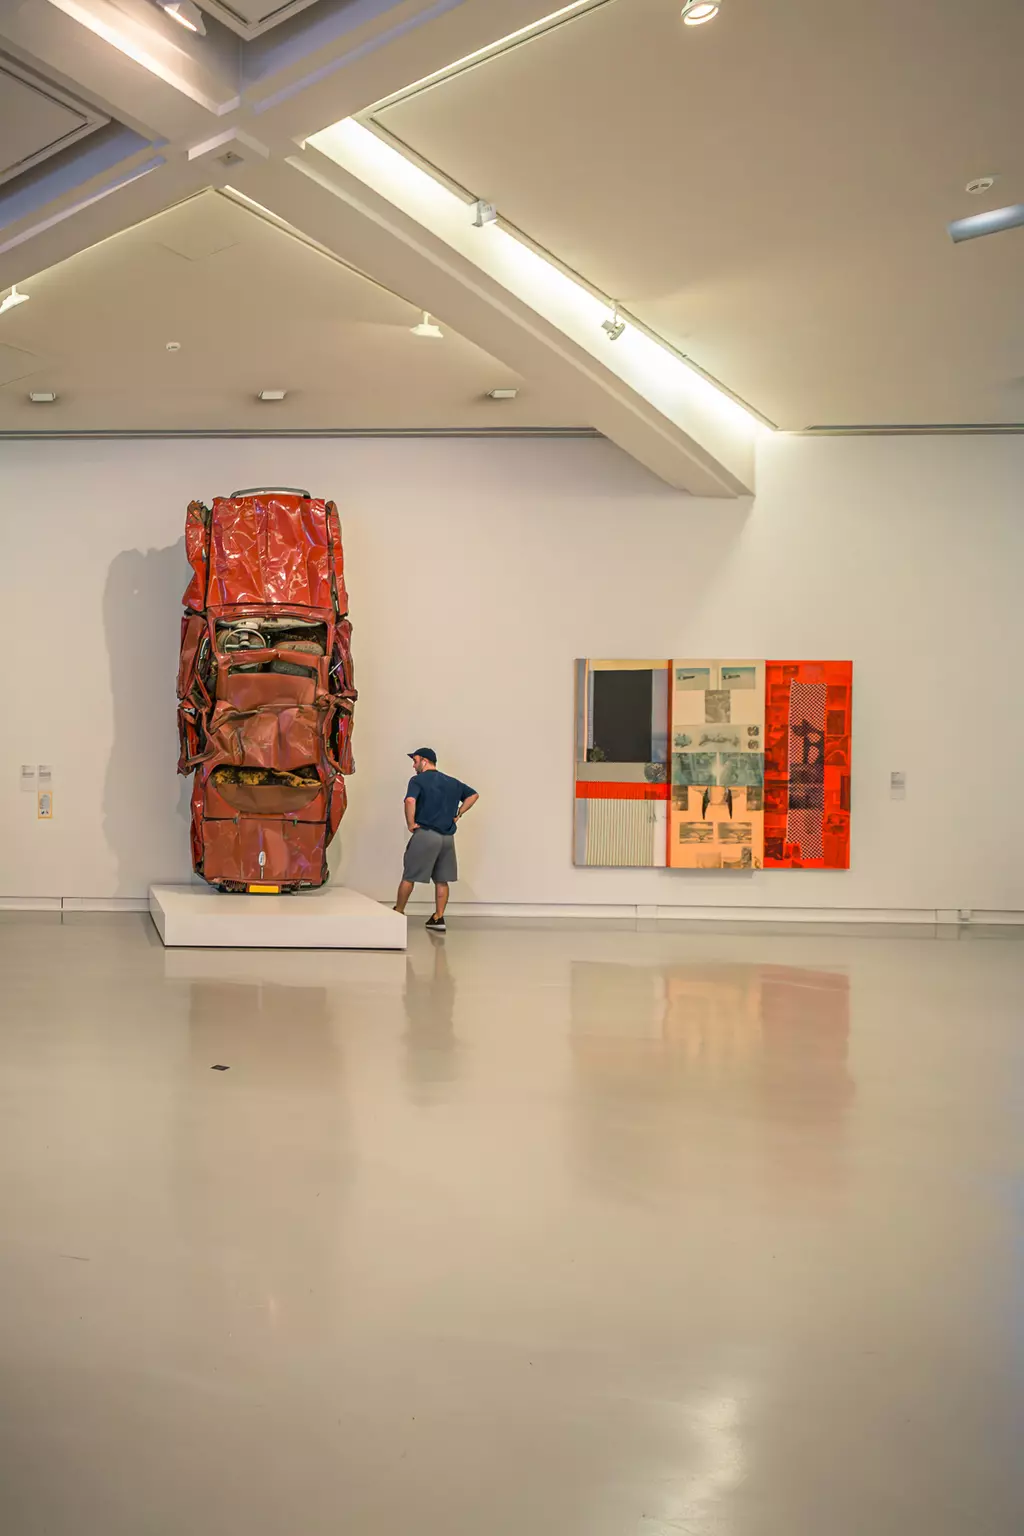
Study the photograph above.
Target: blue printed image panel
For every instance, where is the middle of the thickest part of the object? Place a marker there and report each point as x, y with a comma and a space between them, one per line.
694, 768
741, 769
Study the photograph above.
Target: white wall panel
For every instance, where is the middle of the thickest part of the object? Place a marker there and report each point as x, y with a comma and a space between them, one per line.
478, 571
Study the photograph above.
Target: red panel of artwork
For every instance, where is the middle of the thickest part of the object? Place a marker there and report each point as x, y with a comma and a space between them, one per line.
807, 764
604, 789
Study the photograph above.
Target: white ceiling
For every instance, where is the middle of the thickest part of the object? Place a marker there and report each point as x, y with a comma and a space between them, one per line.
770, 191
253, 307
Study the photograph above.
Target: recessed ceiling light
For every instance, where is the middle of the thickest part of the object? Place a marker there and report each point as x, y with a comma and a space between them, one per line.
14, 298
980, 184
427, 327
42, 396
272, 394
172, 346
502, 394
696, 12
186, 13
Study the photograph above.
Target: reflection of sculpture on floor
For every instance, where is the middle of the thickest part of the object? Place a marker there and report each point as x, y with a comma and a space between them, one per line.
265, 695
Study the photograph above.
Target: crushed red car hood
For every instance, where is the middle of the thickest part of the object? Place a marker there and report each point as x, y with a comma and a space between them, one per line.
267, 550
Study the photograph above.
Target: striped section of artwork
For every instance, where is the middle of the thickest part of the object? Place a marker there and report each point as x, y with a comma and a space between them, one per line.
622, 832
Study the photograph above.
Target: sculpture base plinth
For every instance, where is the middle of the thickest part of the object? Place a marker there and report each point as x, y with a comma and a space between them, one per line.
332, 917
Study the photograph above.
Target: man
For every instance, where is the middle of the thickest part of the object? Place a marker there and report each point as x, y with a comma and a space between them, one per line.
434, 804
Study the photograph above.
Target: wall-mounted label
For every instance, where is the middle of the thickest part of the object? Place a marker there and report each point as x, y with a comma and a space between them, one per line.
28, 778
45, 775
44, 805
897, 785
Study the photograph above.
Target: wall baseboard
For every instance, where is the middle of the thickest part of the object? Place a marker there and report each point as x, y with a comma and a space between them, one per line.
104, 903
929, 916
598, 912
74, 904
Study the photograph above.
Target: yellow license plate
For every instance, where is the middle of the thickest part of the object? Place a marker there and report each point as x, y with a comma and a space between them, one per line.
264, 890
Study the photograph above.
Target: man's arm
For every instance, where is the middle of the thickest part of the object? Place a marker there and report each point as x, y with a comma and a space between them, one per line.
412, 796
467, 804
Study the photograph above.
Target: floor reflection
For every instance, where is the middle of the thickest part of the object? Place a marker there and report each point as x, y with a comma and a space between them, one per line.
244, 1021
431, 1046
661, 1049
644, 1242
257, 1145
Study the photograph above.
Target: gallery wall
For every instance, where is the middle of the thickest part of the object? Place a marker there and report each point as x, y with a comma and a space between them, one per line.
479, 569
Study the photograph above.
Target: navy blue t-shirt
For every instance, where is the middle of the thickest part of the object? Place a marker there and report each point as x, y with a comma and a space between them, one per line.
437, 798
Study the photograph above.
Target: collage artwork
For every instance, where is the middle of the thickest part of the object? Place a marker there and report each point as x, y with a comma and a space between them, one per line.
713, 764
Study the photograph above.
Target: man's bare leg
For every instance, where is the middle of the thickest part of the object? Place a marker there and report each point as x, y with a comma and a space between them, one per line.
440, 899
404, 892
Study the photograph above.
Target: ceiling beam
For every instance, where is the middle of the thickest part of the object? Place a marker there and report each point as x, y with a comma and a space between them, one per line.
418, 239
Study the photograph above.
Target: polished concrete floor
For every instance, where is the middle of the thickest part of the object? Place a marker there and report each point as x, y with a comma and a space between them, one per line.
533, 1232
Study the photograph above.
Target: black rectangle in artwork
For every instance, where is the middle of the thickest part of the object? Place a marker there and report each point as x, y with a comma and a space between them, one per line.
622, 717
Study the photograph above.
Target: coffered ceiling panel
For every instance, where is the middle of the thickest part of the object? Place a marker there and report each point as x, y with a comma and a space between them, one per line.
36, 119
251, 18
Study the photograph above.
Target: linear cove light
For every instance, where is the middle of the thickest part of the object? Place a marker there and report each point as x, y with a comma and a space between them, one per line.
661, 376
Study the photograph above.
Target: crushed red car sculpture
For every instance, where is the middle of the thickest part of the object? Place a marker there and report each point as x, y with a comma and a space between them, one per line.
265, 693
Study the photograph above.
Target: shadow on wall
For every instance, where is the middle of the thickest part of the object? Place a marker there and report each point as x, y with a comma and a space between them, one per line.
145, 803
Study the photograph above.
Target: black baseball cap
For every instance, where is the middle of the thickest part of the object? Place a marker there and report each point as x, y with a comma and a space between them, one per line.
427, 752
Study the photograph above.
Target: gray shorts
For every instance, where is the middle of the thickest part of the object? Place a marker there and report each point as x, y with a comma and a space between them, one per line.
430, 856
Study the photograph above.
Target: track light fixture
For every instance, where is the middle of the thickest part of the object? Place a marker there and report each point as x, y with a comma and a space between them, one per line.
14, 298
614, 327
484, 213
185, 13
696, 12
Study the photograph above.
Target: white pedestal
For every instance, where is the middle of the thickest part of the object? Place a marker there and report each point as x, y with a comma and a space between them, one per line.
198, 917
